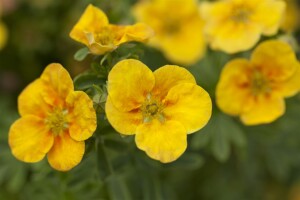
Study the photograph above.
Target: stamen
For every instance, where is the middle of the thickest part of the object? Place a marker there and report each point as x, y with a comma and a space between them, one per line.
259, 83
56, 121
151, 109
241, 15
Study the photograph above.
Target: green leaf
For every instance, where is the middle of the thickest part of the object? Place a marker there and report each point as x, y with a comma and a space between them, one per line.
81, 54
188, 161
87, 80
103, 163
117, 188
115, 143
220, 145
218, 135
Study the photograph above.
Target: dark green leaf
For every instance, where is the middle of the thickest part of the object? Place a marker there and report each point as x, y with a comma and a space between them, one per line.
117, 188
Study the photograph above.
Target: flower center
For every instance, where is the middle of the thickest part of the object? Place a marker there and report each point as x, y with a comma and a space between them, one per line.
151, 109
106, 37
171, 27
57, 121
240, 15
259, 84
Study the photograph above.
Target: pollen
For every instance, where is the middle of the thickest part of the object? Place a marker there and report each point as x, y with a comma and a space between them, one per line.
57, 121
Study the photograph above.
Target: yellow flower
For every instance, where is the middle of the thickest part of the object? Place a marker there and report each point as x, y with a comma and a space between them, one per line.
93, 30
3, 35
291, 18
55, 120
159, 108
255, 89
236, 25
178, 28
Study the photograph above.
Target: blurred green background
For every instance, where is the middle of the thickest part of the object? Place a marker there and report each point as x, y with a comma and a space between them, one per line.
224, 161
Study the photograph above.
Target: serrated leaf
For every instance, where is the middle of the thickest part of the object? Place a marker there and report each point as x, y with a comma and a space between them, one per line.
81, 54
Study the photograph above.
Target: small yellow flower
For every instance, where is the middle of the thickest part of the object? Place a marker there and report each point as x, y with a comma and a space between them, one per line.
255, 89
178, 28
55, 120
93, 30
159, 108
291, 18
236, 25
3, 35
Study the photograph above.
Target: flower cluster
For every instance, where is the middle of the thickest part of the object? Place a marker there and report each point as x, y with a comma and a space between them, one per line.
160, 108
228, 25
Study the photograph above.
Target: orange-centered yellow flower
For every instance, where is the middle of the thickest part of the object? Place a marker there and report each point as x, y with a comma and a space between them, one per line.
159, 108
55, 120
236, 25
178, 28
255, 89
93, 30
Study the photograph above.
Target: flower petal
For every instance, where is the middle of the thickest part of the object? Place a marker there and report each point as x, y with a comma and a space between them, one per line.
167, 77
3, 35
91, 21
100, 49
290, 21
188, 104
277, 59
244, 36
266, 109
66, 153
29, 139
128, 83
162, 141
233, 88
124, 122
291, 86
51, 89
55, 76
139, 32
188, 45
82, 116
272, 20
33, 99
